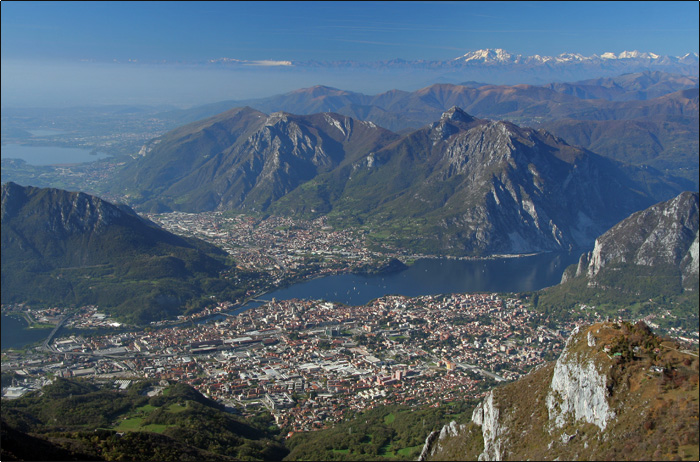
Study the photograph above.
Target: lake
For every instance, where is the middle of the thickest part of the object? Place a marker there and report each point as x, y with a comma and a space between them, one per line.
432, 277
49, 155
16, 334
424, 277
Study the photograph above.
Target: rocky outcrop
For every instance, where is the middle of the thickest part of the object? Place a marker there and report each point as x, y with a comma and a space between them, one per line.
601, 400
428, 446
663, 234
486, 415
573, 391
578, 391
432, 442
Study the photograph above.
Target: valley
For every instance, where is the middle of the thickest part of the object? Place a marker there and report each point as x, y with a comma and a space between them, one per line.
312, 281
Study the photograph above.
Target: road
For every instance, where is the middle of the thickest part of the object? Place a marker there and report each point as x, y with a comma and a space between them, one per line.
45, 346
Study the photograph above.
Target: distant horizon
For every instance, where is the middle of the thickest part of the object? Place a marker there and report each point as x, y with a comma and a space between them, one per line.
57, 54
263, 63
24, 85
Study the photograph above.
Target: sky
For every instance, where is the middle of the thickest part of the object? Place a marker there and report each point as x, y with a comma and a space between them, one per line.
50, 46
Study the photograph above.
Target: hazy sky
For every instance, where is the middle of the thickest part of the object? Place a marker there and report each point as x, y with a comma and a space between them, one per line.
57, 50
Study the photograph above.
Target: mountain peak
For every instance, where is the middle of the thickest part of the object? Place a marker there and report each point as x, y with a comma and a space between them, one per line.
277, 117
320, 91
488, 55
457, 114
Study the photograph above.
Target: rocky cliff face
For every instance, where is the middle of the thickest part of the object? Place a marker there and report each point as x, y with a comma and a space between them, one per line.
578, 391
665, 234
486, 415
245, 159
482, 187
600, 400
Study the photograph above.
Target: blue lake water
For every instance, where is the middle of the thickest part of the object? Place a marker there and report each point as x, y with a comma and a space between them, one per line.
432, 277
49, 155
16, 334
425, 277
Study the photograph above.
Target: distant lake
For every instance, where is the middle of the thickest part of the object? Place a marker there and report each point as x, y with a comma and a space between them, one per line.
16, 334
49, 155
433, 277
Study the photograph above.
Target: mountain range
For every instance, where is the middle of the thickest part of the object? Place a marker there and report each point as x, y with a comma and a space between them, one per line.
414, 109
496, 66
73, 248
460, 185
646, 118
626, 61
470, 186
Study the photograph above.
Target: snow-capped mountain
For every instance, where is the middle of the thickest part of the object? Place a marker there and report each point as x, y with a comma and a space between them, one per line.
497, 55
501, 56
499, 66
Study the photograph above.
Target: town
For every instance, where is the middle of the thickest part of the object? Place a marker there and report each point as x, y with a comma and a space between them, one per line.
308, 362
311, 361
288, 249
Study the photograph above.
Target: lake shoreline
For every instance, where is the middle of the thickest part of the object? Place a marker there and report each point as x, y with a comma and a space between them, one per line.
316, 283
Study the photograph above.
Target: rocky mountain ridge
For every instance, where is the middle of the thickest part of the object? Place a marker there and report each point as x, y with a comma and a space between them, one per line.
460, 185
474, 186
663, 234
606, 397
